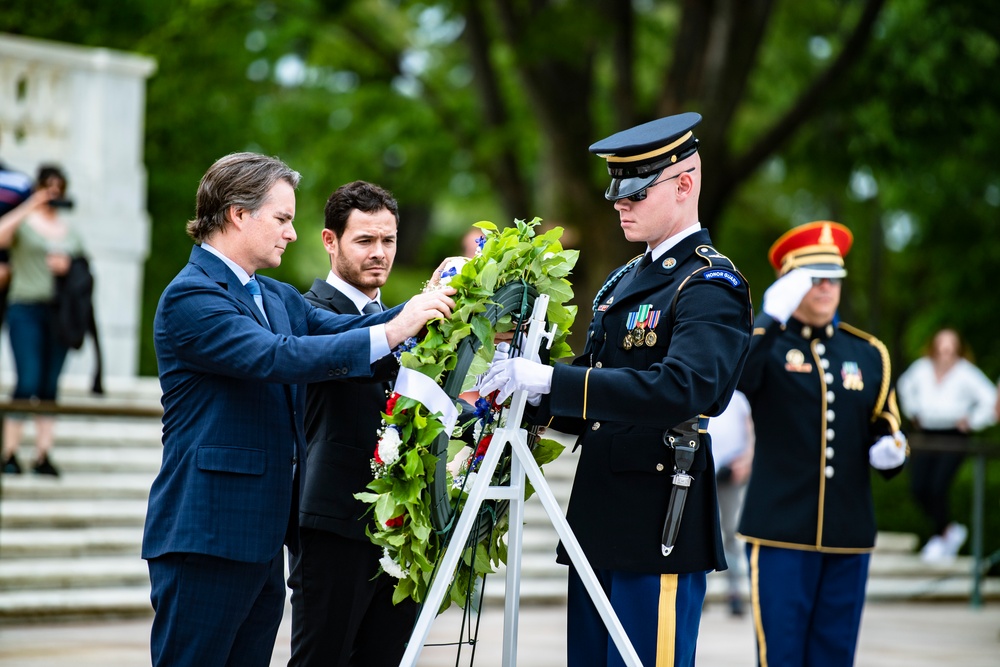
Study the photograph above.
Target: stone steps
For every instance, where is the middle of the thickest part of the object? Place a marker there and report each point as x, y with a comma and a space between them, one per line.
68, 572
78, 486
77, 603
69, 546
72, 513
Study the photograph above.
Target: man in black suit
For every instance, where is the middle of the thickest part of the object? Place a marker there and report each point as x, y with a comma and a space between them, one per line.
342, 613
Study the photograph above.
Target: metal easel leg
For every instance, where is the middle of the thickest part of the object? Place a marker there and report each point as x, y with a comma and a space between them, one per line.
446, 569
515, 535
522, 463
575, 552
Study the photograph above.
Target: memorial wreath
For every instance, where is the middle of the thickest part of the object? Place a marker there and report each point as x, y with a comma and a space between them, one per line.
418, 413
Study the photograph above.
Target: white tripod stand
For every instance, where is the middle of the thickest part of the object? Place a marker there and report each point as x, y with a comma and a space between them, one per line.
522, 463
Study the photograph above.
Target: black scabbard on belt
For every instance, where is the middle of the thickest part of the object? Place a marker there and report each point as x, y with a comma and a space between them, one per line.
684, 440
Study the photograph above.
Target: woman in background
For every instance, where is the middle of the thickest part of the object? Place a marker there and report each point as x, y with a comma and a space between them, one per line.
41, 247
945, 396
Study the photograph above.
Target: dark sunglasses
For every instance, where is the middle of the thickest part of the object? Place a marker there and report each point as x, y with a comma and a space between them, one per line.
817, 281
641, 194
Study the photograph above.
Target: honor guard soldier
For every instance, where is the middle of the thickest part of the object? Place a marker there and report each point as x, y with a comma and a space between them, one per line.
668, 339
824, 413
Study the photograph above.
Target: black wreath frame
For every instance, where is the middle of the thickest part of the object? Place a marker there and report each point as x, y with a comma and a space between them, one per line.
516, 299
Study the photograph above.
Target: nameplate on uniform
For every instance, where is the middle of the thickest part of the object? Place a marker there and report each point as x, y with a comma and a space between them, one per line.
795, 362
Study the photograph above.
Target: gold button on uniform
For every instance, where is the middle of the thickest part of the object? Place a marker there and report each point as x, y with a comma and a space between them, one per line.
597, 365
659, 467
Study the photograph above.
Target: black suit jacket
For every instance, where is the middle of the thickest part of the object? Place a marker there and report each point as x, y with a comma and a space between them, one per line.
342, 421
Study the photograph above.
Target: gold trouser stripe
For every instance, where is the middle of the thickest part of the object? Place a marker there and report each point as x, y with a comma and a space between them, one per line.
666, 623
755, 604
586, 386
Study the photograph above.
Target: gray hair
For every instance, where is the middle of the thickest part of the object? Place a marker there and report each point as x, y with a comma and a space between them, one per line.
238, 179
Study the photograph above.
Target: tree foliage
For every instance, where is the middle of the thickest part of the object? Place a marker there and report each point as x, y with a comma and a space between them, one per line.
882, 114
877, 113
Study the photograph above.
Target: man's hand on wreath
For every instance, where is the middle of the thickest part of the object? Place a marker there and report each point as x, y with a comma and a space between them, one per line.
417, 312
509, 375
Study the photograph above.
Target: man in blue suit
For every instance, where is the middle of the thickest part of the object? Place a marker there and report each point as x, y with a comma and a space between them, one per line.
233, 350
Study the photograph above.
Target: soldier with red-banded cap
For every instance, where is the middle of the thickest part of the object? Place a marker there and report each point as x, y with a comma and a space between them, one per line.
825, 414
668, 338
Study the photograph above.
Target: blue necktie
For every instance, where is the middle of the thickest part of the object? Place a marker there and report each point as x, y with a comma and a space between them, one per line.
254, 289
372, 307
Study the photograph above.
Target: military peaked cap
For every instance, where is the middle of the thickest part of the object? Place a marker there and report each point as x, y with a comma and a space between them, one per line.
818, 247
637, 156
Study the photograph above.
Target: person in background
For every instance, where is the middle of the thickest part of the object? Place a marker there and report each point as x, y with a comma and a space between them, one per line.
341, 602
732, 446
824, 415
235, 350
946, 398
665, 348
42, 245
15, 187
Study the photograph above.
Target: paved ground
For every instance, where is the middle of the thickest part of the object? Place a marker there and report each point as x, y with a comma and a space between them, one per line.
892, 635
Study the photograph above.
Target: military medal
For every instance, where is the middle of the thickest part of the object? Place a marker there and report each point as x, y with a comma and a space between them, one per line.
652, 319
851, 375
639, 326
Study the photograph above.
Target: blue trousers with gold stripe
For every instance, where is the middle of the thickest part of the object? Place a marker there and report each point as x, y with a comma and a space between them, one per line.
806, 605
660, 613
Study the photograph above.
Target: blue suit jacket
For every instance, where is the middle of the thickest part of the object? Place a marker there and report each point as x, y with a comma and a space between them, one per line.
233, 407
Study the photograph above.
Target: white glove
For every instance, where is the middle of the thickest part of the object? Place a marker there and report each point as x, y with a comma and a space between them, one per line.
786, 293
522, 344
509, 375
888, 452
502, 352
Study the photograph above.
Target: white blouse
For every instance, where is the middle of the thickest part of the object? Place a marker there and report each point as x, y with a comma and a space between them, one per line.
964, 391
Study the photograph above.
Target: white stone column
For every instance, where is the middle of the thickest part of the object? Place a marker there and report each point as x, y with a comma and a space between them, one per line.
83, 109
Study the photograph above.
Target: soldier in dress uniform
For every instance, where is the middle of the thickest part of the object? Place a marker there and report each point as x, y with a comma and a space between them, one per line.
669, 336
824, 413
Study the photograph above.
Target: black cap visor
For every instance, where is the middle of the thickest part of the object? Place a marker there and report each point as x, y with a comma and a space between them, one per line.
621, 188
